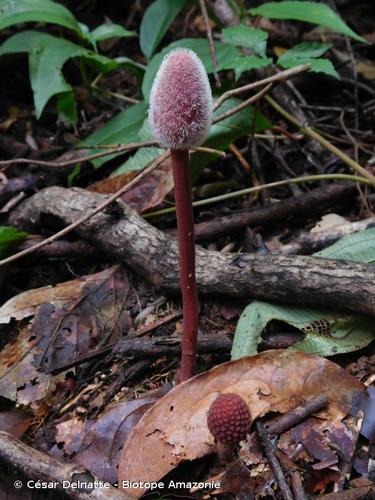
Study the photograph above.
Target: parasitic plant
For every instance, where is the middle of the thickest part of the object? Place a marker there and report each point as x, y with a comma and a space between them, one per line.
180, 116
229, 418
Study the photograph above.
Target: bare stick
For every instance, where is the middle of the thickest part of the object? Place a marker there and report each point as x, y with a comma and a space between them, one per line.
41, 467
211, 43
283, 75
56, 164
288, 420
243, 104
186, 245
274, 462
84, 218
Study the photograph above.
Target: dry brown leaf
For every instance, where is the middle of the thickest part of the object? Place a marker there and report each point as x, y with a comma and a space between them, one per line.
14, 421
96, 444
366, 69
27, 303
175, 429
85, 312
147, 193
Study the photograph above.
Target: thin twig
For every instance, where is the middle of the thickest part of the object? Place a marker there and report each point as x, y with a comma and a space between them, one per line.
86, 217
274, 462
293, 417
66, 163
237, 153
254, 189
243, 105
202, 149
211, 43
125, 98
348, 461
283, 75
308, 131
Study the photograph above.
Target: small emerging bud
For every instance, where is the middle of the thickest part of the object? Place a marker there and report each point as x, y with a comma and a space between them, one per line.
229, 418
180, 111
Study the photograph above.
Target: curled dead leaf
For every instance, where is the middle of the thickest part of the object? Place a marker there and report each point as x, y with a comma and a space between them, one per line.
175, 428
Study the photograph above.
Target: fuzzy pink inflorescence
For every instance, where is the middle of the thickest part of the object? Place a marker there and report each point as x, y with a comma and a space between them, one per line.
180, 110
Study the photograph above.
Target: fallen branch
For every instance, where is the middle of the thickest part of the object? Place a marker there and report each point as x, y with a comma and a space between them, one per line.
274, 462
121, 233
288, 420
150, 348
41, 467
314, 202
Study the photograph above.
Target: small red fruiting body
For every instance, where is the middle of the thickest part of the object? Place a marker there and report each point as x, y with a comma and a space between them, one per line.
180, 112
229, 418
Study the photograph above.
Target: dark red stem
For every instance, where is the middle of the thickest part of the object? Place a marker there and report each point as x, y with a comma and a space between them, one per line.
186, 243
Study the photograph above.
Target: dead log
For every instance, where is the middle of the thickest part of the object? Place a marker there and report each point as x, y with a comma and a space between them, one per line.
71, 479
121, 233
311, 203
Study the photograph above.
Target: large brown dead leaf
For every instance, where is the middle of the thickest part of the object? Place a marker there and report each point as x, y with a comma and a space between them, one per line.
27, 303
96, 444
175, 428
81, 314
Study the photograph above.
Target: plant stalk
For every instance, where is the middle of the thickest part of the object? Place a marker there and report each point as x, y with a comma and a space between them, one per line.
186, 244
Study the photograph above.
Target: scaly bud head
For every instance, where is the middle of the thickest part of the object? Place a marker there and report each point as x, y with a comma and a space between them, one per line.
229, 418
180, 110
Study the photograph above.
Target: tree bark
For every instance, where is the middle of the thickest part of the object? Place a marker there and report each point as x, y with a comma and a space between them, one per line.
41, 467
121, 233
311, 203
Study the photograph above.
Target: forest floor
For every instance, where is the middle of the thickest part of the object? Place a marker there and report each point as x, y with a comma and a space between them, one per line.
91, 323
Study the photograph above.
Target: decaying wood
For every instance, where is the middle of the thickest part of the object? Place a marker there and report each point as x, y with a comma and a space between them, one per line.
121, 233
41, 467
312, 203
151, 348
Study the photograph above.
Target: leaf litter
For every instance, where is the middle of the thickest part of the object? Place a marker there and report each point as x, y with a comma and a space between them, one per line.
70, 319
174, 430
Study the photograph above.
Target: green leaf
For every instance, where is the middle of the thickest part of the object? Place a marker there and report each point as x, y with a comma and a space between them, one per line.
109, 30
22, 11
359, 247
143, 156
66, 108
225, 55
321, 66
156, 21
47, 56
307, 50
140, 160
122, 129
8, 236
307, 53
244, 36
316, 66
310, 12
245, 63
325, 333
